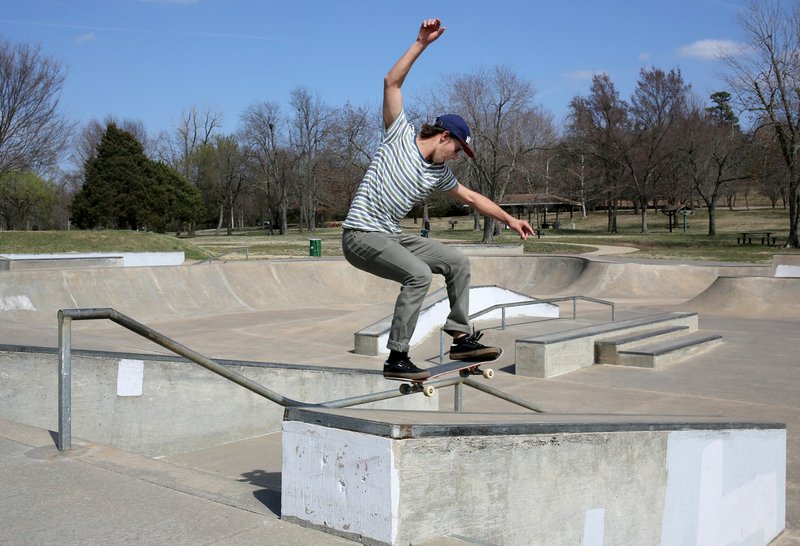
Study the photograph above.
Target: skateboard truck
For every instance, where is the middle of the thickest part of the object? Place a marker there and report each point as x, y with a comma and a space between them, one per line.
465, 368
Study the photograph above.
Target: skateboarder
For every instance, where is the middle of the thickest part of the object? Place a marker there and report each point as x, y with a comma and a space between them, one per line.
405, 169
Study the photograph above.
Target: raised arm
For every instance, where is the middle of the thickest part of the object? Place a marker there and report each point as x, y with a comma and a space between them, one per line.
429, 31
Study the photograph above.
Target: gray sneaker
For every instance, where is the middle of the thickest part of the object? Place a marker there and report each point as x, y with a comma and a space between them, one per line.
468, 348
404, 369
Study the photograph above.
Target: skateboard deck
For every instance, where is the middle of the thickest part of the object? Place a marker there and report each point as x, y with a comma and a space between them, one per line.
463, 367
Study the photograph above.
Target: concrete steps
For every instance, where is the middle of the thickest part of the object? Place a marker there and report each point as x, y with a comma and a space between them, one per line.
653, 355
607, 351
557, 353
651, 349
648, 342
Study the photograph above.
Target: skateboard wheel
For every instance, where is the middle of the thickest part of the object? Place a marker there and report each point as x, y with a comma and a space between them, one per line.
488, 373
405, 388
464, 373
429, 390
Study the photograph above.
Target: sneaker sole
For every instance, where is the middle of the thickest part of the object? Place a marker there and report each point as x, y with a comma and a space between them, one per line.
488, 352
410, 377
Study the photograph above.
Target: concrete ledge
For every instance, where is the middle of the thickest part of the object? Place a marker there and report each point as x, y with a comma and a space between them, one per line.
555, 354
75, 260
371, 341
411, 477
59, 262
158, 405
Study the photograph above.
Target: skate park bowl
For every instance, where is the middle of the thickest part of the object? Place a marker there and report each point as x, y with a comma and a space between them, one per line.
600, 458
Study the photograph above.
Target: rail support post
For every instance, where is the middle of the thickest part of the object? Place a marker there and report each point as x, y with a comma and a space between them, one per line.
64, 442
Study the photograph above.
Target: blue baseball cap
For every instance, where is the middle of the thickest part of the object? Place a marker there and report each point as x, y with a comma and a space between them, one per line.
458, 128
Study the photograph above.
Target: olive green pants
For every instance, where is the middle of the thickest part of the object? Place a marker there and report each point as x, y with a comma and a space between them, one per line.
412, 260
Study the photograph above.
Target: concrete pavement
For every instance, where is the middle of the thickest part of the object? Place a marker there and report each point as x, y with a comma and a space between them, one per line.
306, 312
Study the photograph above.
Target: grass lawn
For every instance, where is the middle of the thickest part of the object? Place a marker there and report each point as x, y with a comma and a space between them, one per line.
47, 242
577, 235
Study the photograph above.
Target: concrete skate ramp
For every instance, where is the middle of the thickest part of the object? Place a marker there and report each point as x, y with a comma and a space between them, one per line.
203, 290
755, 297
213, 290
552, 275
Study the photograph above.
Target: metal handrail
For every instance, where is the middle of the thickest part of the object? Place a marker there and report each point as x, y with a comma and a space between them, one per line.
66, 316
534, 301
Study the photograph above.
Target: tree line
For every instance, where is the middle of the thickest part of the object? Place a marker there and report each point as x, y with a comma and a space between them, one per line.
301, 163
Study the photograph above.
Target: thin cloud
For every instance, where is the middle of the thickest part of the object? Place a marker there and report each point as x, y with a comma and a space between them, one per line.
711, 49
583, 75
92, 29
83, 38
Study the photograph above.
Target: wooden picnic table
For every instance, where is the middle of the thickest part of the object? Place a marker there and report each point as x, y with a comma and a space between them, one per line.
746, 237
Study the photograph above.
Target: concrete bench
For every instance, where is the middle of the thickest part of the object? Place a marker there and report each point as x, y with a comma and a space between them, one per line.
411, 477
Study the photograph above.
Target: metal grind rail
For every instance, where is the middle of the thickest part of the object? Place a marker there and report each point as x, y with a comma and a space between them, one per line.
66, 316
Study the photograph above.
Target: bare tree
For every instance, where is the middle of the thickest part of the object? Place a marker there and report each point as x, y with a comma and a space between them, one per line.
194, 131
597, 126
507, 129
222, 177
769, 169
264, 133
657, 105
765, 83
353, 134
309, 128
32, 133
713, 151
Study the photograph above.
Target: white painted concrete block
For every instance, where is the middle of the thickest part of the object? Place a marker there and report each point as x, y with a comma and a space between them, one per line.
724, 487
130, 377
340, 480
787, 270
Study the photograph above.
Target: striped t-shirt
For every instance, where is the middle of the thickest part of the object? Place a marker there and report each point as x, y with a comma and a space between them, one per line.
397, 178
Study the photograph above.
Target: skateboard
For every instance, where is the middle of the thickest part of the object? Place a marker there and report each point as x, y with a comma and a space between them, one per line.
464, 368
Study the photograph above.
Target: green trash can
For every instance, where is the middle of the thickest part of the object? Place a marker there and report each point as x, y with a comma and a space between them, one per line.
315, 247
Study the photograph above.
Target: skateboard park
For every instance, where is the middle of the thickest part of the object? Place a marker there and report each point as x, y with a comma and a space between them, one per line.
636, 402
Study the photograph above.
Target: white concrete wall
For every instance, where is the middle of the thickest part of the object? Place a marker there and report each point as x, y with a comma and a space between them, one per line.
679, 487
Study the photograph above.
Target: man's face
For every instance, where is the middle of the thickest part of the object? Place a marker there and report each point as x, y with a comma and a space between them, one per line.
448, 148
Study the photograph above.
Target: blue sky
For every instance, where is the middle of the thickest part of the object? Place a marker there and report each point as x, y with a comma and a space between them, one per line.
149, 60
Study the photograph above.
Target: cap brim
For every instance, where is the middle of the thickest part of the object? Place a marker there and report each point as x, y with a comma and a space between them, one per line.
465, 147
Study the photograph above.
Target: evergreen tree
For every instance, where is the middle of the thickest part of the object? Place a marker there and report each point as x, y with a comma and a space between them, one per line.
113, 184
123, 189
722, 113
171, 201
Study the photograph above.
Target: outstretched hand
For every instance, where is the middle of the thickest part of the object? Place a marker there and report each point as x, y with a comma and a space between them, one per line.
523, 228
430, 30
